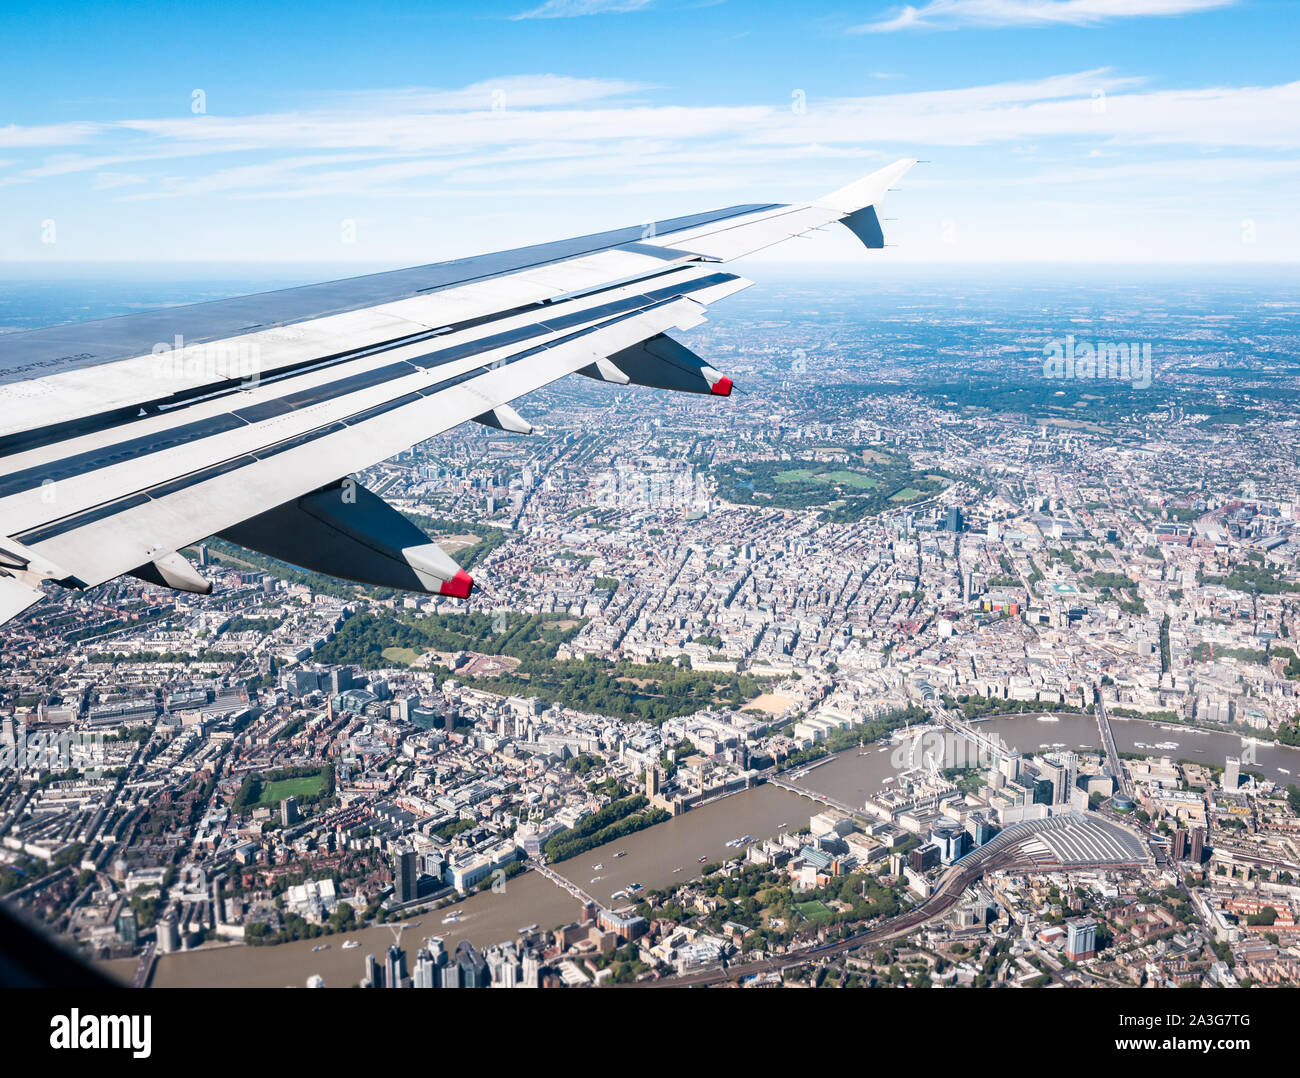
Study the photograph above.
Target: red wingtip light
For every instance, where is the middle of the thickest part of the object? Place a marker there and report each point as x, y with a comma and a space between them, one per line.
722, 387
459, 586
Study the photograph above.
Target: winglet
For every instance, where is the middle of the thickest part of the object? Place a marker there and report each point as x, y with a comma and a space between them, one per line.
868, 191
865, 225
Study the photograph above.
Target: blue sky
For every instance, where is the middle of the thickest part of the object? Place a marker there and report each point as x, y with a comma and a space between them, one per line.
397, 133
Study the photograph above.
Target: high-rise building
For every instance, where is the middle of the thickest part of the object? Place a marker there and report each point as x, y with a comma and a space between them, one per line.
473, 967
503, 966
431, 966
395, 967
168, 933
532, 970
1081, 938
980, 828
1180, 844
1197, 851
340, 680
1231, 773
1055, 774
425, 974
925, 857
288, 812
1070, 762
406, 876
374, 977
950, 839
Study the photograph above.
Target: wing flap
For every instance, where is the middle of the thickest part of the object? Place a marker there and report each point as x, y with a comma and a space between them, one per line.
503, 417
348, 532
46, 483
661, 363
115, 537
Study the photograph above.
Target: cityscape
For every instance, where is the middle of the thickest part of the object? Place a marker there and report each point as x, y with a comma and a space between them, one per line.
956, 649
590, 496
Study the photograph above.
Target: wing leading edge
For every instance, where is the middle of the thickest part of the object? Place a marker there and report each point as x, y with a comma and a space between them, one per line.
244, 418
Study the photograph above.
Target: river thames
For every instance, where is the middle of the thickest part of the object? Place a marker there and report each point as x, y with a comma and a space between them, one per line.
669, 853
854, 775
656, 857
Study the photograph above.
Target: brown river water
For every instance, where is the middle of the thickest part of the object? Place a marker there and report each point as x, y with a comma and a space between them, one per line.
662, 855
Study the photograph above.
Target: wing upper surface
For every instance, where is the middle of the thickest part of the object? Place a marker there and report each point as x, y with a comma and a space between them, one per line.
115, 452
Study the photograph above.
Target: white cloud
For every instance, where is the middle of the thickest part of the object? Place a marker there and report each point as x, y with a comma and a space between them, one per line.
1022, 154
556, 126
1097, 105
514, 91
570, 9
13, 136
1170, 175
107, 181
951, 14
1092, 106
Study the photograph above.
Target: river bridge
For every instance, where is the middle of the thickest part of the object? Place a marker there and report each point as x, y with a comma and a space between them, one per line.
813, 795
1122, 783
992, 747
568, 885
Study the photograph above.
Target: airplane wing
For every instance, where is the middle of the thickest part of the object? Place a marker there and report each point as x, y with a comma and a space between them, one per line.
126, 439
